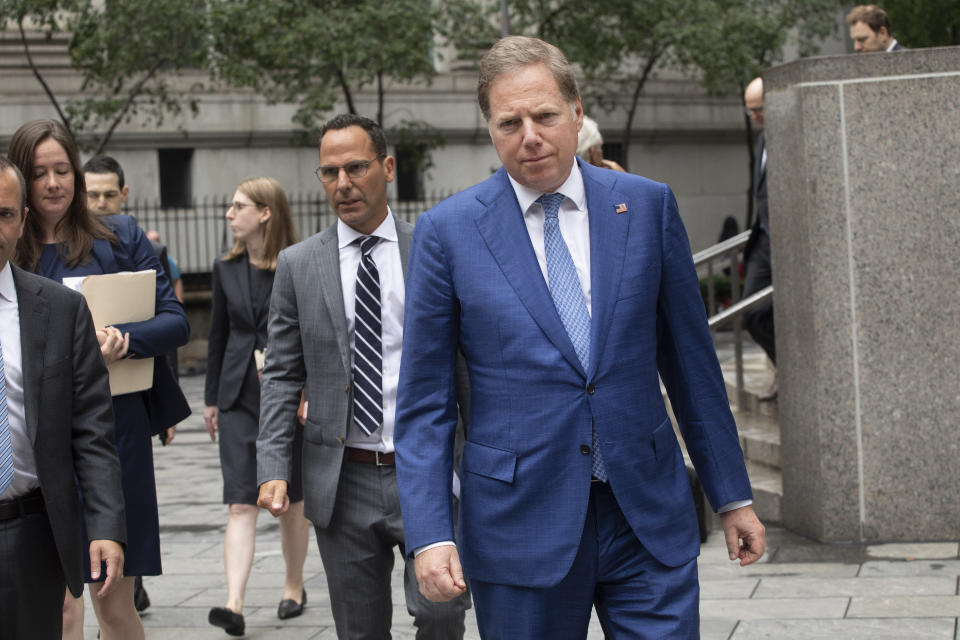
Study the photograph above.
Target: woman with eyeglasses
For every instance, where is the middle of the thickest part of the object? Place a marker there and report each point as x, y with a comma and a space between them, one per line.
63, 238
259, 218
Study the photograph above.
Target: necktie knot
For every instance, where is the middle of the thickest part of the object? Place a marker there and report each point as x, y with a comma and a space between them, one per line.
367, 243
551, 203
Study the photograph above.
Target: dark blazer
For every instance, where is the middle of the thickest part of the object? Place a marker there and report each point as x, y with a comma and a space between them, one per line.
233, 332
761, 206
69, 418
474, 283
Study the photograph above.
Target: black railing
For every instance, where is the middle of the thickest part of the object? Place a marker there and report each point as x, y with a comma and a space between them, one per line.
196, 235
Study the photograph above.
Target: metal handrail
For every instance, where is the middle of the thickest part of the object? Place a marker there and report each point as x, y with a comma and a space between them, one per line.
721, 248
740, 308
730, 249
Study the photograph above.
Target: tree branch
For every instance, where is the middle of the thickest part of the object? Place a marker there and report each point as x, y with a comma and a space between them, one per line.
345, 87
131, 97
39, 76
631, 112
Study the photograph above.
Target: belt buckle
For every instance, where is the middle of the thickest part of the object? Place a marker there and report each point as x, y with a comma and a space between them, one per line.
377, 459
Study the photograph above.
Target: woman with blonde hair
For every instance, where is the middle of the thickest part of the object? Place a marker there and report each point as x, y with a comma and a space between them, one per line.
259, 218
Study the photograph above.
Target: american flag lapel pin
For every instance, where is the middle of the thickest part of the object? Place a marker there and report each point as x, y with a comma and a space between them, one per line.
622, 207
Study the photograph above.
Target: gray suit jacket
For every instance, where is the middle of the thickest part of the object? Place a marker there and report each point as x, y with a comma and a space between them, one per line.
69, 415
308, 348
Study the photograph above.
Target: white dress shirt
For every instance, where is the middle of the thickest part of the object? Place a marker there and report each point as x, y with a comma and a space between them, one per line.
386, 255
24, 463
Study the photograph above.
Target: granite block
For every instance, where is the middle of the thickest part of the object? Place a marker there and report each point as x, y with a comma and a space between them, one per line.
865, 235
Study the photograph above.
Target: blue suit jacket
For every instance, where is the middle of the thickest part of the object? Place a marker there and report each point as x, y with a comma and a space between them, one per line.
474, 282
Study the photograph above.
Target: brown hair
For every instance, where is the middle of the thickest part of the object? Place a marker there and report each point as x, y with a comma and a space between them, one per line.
512, 53
278, 232
871, 15
78, 228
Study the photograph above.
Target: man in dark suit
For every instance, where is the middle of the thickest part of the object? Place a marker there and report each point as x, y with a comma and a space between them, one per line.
756, 254
870, 30
56, 423
336, 327
568, 288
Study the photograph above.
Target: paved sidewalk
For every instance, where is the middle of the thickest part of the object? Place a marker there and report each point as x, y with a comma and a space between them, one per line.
800, 590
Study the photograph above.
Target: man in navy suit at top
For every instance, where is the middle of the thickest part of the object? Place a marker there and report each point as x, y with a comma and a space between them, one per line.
568, 288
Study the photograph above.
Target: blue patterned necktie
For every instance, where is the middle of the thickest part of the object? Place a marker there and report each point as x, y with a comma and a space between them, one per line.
568, 297
6, 439
368, 342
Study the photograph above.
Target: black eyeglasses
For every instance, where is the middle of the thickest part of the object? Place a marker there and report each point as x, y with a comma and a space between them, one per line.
355, 170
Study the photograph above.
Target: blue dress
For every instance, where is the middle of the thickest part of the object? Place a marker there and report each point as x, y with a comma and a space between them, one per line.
166, 331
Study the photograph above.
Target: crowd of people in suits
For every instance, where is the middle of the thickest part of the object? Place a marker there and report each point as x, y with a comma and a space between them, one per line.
481, 392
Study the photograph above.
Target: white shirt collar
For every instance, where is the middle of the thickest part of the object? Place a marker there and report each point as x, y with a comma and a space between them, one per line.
347, 234
892, 45
572, 188
7, 289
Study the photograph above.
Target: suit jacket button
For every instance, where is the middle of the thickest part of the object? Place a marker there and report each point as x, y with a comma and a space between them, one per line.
591, 388
585, 449
346, 388
340, 439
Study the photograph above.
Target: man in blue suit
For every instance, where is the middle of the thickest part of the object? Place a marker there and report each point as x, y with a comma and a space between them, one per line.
568, 288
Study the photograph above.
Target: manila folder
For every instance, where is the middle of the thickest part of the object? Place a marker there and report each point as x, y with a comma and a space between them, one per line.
116, 298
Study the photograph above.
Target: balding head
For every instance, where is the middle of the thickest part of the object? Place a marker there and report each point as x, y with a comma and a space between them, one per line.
753, 99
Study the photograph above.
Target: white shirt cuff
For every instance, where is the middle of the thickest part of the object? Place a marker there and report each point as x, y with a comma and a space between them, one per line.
442, 543
730, 506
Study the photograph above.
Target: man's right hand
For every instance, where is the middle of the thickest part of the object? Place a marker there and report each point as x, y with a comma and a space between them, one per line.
211, 420
273, 497
439, 573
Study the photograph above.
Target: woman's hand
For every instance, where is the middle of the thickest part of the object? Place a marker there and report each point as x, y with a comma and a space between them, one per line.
113, 344
210, 419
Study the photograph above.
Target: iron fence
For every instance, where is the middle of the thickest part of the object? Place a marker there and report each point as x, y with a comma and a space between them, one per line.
196, 235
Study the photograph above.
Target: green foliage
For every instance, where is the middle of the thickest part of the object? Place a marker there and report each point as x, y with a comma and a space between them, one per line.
931, 23
127, 52
312, 53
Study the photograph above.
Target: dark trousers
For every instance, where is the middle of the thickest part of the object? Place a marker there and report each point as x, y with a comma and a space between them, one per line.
357, 549
636, 597
31, 580
759, 320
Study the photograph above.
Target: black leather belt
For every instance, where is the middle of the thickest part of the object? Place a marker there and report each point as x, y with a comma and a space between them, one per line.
370, 457
24, 505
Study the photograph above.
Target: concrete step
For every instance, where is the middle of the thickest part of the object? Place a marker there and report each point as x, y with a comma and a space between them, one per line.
759, 438
767, 485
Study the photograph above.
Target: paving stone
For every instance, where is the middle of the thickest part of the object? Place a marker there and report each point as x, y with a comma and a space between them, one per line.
846, 629
915, 551
773, 608
732, 589
905, 607
821, 569
802, 587
916, 568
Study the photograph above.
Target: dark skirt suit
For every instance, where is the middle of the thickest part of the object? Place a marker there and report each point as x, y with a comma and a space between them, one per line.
166, 331
238, 326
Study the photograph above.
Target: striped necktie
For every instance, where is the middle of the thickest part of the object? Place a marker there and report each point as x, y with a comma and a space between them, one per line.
6, 439
368, 343
568, 297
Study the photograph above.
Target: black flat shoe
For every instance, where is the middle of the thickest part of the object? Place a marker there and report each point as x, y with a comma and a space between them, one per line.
140, 598
229, 621
291, 609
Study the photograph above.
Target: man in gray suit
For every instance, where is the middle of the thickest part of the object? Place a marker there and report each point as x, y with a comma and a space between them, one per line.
56, 430
335, 330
